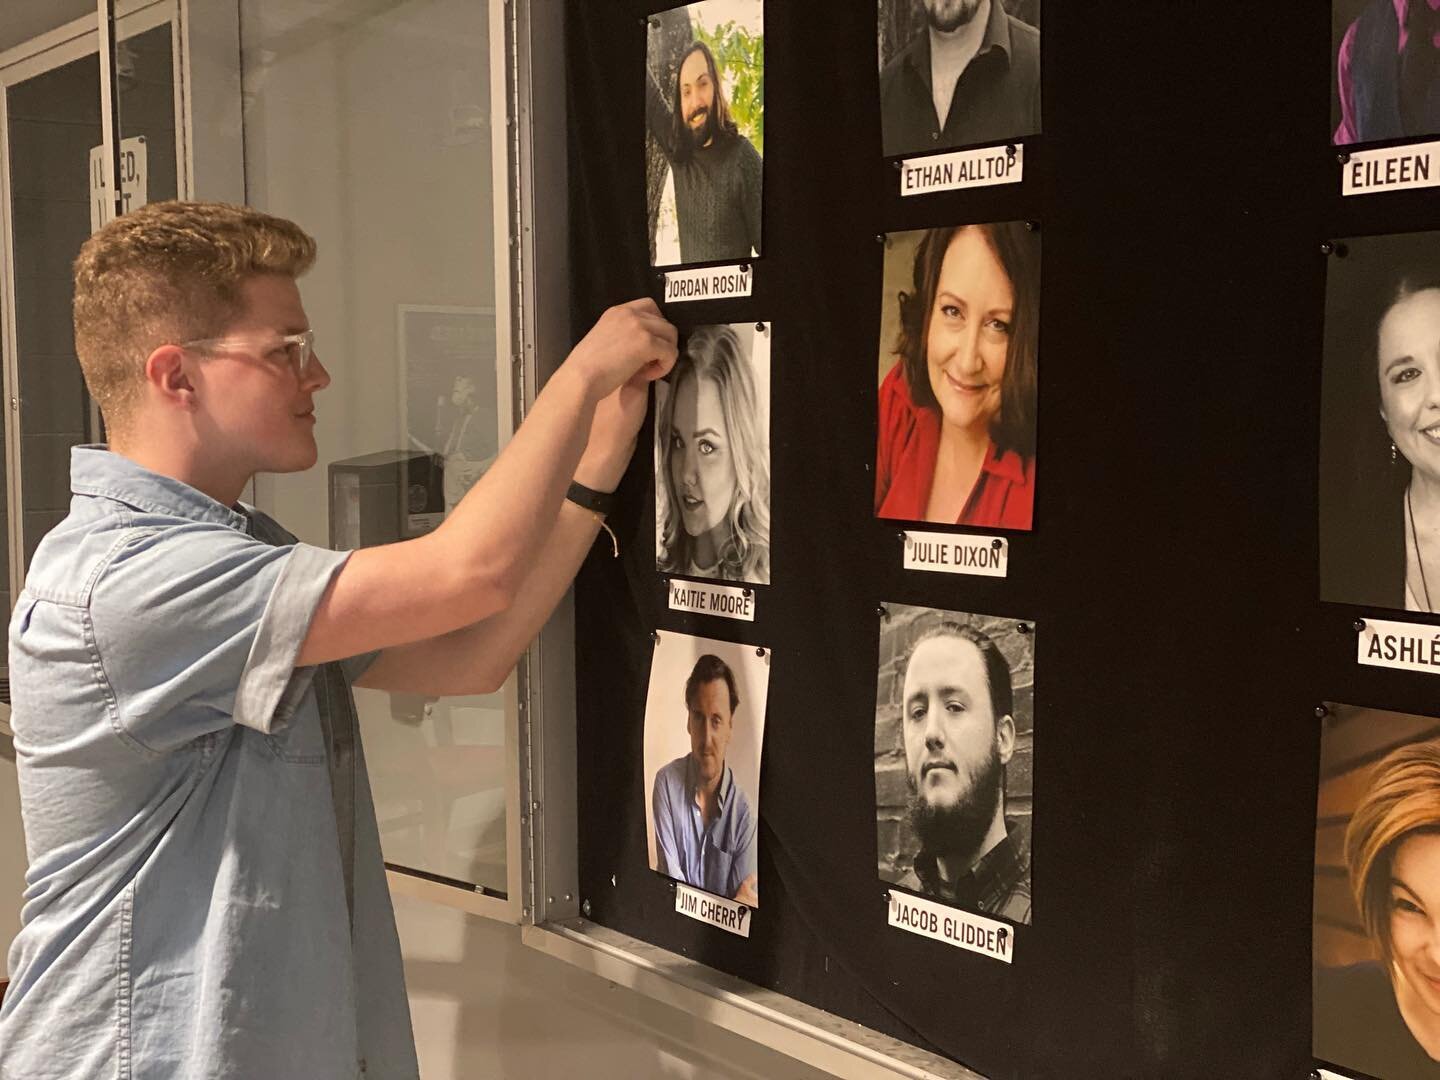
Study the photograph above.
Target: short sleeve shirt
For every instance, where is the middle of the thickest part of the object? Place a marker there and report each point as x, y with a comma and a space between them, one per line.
205, 894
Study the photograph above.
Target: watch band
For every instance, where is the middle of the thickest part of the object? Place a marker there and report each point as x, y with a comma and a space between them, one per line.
599, 502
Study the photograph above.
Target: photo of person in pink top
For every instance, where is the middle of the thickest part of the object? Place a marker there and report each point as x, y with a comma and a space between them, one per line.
956, 407
1387, 69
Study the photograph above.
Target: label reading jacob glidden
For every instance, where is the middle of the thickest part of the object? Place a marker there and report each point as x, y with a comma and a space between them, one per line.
952, 926
727, 601
1391, 168
715, 910
1405, 646
988, 556
710, 283
985, 167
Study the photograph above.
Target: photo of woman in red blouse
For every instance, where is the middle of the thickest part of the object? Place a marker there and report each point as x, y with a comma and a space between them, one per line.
956, 432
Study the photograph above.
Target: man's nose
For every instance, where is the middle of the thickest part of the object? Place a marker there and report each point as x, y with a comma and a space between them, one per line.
316, 376
934, 731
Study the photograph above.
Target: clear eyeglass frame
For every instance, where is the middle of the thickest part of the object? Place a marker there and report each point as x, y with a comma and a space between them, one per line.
299, 348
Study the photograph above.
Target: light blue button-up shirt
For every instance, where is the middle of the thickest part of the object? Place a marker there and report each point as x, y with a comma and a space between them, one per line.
717, 857
205, 897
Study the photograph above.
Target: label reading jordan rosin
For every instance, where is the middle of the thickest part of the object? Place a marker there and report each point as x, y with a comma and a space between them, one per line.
709, 283
963, 929
716, 910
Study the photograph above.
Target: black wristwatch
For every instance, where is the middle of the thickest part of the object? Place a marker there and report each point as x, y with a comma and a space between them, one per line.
599, 502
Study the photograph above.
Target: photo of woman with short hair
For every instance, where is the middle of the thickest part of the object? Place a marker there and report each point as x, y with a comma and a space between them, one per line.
1381, 1013
712, 458
956, 432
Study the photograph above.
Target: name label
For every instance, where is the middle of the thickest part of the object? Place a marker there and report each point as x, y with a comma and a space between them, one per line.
709, 283
1327, 1074
946, 553
1393, 168
726, 601
986, 167
715, 910
1403, 646
963, 929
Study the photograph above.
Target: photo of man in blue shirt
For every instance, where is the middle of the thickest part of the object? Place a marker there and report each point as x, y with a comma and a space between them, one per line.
704, 827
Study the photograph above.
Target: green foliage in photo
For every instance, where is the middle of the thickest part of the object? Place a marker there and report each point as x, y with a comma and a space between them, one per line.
740, 56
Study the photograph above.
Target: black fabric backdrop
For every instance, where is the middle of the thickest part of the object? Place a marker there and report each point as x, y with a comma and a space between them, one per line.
1184, 184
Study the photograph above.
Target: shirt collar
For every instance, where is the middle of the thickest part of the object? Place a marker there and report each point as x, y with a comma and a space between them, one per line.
722, 793
1005, 465
997, 36
98, 471
994, 867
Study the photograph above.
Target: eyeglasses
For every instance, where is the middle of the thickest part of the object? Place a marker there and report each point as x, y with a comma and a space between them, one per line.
299, 349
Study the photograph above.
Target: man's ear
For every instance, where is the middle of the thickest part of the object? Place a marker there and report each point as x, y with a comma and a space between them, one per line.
1005, 738
167, 376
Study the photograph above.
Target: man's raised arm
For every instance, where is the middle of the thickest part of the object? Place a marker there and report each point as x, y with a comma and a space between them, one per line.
474, 564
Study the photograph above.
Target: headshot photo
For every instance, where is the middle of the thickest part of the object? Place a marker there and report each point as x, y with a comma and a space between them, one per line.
712, 457
1380, 424
1376, 966
1384, 72
704, 730
954, 758
958, 376
705, 119
958, 73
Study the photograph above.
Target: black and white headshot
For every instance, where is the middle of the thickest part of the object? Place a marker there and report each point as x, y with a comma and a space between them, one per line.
705, 114
704, 736
954, 755
1380, 424
712, 457
958, 73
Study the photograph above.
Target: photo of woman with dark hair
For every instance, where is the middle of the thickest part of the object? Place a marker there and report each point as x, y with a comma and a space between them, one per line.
1381, 1013
1380, 428
956, 432
1387, 69
712, 458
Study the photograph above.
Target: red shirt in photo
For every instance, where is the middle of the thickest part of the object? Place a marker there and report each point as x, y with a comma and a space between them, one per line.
908, 440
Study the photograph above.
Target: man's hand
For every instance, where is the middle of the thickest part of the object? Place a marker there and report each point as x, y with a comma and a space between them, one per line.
747, 894
630, 341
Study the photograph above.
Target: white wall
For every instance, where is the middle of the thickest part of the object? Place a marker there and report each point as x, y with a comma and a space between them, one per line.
12, 850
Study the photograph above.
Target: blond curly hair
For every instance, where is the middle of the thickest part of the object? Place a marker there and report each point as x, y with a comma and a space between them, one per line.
167, 273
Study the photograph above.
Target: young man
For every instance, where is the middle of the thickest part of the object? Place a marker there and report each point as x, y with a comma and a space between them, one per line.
959, 735
206, 895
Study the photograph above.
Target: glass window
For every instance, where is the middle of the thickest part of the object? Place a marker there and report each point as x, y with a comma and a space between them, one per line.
371, 129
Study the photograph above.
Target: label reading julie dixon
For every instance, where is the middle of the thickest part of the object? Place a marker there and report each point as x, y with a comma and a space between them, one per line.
963, 929
1404, 646
988, 556
715, 910
986, 167
709, 283
1391, 168
726, 601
